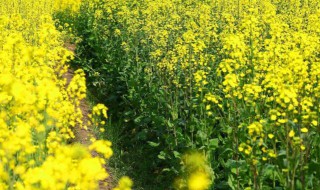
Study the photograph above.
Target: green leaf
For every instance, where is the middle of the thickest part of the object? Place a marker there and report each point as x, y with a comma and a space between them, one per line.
162, 155
298, 184
153, 144
166, 170
171, 125
202, 135
213, 143
231, 182
176, 154
234, 170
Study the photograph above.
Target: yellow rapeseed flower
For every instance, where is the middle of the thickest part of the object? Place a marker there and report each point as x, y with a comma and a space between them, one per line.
198, 181
291, 133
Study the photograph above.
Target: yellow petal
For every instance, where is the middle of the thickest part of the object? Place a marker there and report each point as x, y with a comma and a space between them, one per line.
304, 130
291, 133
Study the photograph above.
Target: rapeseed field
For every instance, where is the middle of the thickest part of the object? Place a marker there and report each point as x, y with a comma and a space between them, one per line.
201, 94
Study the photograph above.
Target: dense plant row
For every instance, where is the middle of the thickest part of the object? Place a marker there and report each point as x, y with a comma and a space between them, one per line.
236, 79
39, 110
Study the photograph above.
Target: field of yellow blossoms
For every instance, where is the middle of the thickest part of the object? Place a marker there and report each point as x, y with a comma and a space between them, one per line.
202, 94
237, 80
38, 110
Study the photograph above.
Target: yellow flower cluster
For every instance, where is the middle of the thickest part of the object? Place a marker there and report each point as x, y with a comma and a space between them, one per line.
177, 38
38, 109
197, 174
271, 61
270, 70
67, 5
125, 183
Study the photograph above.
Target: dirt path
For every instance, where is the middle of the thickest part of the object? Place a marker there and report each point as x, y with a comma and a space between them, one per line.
83, 136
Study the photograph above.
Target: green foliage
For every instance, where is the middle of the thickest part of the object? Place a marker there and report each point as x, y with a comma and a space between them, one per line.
230, 78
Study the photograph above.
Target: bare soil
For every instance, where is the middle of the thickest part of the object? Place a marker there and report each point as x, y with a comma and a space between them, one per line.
83, 136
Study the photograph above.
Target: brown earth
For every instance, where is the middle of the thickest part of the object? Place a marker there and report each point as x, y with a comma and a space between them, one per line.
83, 136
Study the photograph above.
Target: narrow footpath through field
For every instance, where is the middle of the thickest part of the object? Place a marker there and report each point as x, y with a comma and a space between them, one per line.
83, 136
